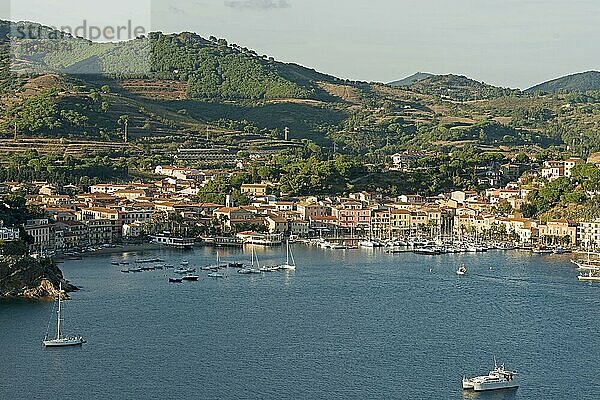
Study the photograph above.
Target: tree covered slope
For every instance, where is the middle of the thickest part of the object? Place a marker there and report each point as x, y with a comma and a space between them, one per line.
581, 82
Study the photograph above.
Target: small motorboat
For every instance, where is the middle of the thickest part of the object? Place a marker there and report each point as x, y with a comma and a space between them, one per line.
114, 263
175, 280
216, 275
267, 268
184, 271
190, 278
462, 270
125, 271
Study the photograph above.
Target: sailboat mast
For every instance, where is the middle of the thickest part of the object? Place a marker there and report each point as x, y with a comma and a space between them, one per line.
287, 259
58, 312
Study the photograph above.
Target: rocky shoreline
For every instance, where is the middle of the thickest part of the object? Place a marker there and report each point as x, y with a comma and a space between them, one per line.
28, 278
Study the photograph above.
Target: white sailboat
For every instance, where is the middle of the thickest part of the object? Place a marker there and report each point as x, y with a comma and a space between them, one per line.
290, 263
59, 341
252, 269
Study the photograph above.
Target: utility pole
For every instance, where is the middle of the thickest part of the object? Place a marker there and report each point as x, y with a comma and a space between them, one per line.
125, 135
207, 134
286, 132
15, 129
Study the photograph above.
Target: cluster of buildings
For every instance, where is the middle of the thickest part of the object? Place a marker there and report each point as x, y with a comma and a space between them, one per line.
111, 213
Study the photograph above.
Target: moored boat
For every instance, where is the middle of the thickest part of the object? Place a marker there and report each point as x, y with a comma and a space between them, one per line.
59, 340
498, 378
290, 263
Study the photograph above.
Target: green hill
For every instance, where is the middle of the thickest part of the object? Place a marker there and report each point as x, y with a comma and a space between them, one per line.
409, 80
459, 88
212, 68
207, 92
581, 82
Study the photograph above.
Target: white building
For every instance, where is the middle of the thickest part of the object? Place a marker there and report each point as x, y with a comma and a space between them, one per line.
588, 234
42, 233
8, 234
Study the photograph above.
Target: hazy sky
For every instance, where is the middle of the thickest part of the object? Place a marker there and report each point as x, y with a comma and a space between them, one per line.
514, 43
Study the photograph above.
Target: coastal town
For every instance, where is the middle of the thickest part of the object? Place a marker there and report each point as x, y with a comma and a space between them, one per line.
166, 211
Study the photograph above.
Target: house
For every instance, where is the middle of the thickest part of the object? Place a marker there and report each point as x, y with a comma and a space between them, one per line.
353, 215
74, 234
8, 234
326, 223
588, 234
570, 164
254, 189
524, 228
313, 208
42, 233
107, 188
299, 227
380, 222
559, 231
462, 196
232, 216
130, 194
276, 224
411, 198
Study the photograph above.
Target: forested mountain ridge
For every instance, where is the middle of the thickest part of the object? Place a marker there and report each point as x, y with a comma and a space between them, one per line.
581, 82
244, 100
459, 88
409, 80
212, 68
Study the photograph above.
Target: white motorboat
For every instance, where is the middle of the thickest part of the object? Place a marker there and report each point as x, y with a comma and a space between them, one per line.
498, 378
462, 270
216, 275
290, 263
369, 244
60, 341
190, 277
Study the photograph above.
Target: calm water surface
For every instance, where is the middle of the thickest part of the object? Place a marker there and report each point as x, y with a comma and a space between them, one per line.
355, 324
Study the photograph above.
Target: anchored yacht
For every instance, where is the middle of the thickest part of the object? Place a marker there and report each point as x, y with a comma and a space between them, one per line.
498, 378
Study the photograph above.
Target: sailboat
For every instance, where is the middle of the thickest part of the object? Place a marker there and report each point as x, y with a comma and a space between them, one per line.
251, 269
290, 263
62, 341
216, 266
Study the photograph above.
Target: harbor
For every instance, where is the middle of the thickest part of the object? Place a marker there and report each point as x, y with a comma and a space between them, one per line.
404, 316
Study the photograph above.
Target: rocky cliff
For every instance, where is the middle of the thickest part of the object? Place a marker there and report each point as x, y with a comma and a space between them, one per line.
26, 277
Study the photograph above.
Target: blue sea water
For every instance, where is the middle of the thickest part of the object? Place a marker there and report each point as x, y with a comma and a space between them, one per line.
353, 324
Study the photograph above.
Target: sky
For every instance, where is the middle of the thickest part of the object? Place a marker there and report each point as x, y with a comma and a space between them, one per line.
509, 43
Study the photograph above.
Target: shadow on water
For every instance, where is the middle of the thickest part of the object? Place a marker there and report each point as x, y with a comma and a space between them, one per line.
504, 394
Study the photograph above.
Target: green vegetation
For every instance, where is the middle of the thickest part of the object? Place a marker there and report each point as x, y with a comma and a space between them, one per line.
409, 80
566, 198
581, 82
30, 167
459, 88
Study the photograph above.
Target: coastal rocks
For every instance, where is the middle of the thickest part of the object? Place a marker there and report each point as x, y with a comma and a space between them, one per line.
26, 277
